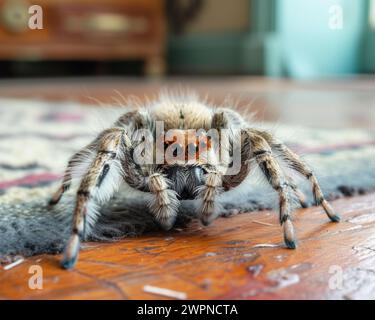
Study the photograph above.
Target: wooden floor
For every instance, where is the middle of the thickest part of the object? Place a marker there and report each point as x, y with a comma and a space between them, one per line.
240, 257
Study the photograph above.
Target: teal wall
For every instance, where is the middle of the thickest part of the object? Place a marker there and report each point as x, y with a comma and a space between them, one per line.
239, 53
368, 64
285, 37
310, 47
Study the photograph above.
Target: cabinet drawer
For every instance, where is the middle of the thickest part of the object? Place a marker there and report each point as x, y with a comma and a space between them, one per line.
101, 23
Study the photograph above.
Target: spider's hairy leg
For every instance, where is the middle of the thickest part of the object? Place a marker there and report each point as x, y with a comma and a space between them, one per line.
261, 151
209, 207
297, 164
67, 178
274, 146
91, 188
299, 194
165, 204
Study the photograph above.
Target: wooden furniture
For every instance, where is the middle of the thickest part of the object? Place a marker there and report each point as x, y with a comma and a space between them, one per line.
85, 30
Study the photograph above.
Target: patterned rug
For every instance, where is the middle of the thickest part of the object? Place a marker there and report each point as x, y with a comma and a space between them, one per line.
37, 138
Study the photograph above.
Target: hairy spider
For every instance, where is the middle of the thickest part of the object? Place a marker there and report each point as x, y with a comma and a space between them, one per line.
180, 160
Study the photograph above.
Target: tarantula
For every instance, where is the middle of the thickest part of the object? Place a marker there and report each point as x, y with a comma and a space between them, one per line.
180, 160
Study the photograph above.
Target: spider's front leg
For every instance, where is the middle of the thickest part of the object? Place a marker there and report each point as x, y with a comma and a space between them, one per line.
165, 204
259, 149
93, 187
209, 207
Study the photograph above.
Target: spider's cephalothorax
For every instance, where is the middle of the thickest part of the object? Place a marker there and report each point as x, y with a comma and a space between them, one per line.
183, 159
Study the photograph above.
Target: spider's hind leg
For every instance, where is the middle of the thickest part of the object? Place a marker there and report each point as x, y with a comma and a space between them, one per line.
67, 179
258, 148
297, 164
299, 194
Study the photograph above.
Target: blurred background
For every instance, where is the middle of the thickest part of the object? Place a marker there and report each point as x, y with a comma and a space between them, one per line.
280, 54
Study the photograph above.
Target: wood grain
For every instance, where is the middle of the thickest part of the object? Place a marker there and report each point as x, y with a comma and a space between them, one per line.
223, 261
